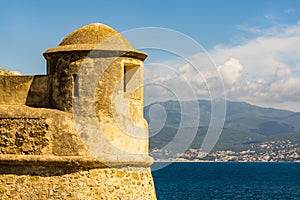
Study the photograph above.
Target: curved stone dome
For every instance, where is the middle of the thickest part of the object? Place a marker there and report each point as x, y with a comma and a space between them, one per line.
95, 36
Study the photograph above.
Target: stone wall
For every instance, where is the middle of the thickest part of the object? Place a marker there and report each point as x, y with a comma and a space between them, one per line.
38, 131
122, 121
36, 182
38, 94
61, 71
42, 157
24, 90
14, 89
23, 136
104, 112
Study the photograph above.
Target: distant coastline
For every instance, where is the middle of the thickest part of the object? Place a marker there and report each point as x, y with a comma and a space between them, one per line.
271, 151
209, 161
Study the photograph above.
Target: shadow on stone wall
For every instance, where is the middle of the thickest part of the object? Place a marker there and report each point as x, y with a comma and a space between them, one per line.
38, 94
44, 171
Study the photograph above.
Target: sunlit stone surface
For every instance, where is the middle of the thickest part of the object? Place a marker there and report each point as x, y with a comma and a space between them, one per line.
77, 132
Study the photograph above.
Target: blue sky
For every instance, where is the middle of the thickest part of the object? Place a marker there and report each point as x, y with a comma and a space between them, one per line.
232, 32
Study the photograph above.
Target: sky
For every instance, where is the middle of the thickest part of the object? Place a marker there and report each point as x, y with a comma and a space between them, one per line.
254, 45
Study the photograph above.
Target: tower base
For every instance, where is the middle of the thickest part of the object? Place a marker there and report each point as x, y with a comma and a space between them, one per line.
50, 182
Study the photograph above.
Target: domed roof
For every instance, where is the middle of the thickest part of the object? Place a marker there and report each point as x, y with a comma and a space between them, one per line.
95, 36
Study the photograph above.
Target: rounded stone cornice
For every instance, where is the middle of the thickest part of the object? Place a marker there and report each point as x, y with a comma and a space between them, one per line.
77, 161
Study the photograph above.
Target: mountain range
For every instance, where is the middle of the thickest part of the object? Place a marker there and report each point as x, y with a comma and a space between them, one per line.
245, 124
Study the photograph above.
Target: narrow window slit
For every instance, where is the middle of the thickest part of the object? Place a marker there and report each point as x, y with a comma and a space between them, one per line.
124, 79
75, 86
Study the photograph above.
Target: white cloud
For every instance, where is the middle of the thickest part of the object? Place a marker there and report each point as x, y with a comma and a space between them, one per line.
184, 68
16, 72
283, 72
231, 71
271, 17
264, 70
271, 75
286, 90
264, 54
291, 10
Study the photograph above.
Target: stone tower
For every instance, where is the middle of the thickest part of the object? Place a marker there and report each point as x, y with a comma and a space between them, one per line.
77, 132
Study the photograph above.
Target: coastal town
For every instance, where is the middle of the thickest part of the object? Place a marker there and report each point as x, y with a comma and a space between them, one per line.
271, 151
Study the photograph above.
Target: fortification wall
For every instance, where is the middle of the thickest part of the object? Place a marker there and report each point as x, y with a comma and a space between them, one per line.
43, 157
38, 131
24, 90
98, 152
36, 182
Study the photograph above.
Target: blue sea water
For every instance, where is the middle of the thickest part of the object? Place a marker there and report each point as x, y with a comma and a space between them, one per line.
231, 180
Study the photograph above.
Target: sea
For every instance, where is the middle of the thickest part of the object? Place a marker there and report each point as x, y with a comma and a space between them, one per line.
227, 180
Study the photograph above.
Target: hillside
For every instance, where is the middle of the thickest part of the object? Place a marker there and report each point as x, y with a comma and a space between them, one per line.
245, 124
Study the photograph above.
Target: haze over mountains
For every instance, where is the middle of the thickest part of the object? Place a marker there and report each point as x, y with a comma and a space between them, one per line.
245, 124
